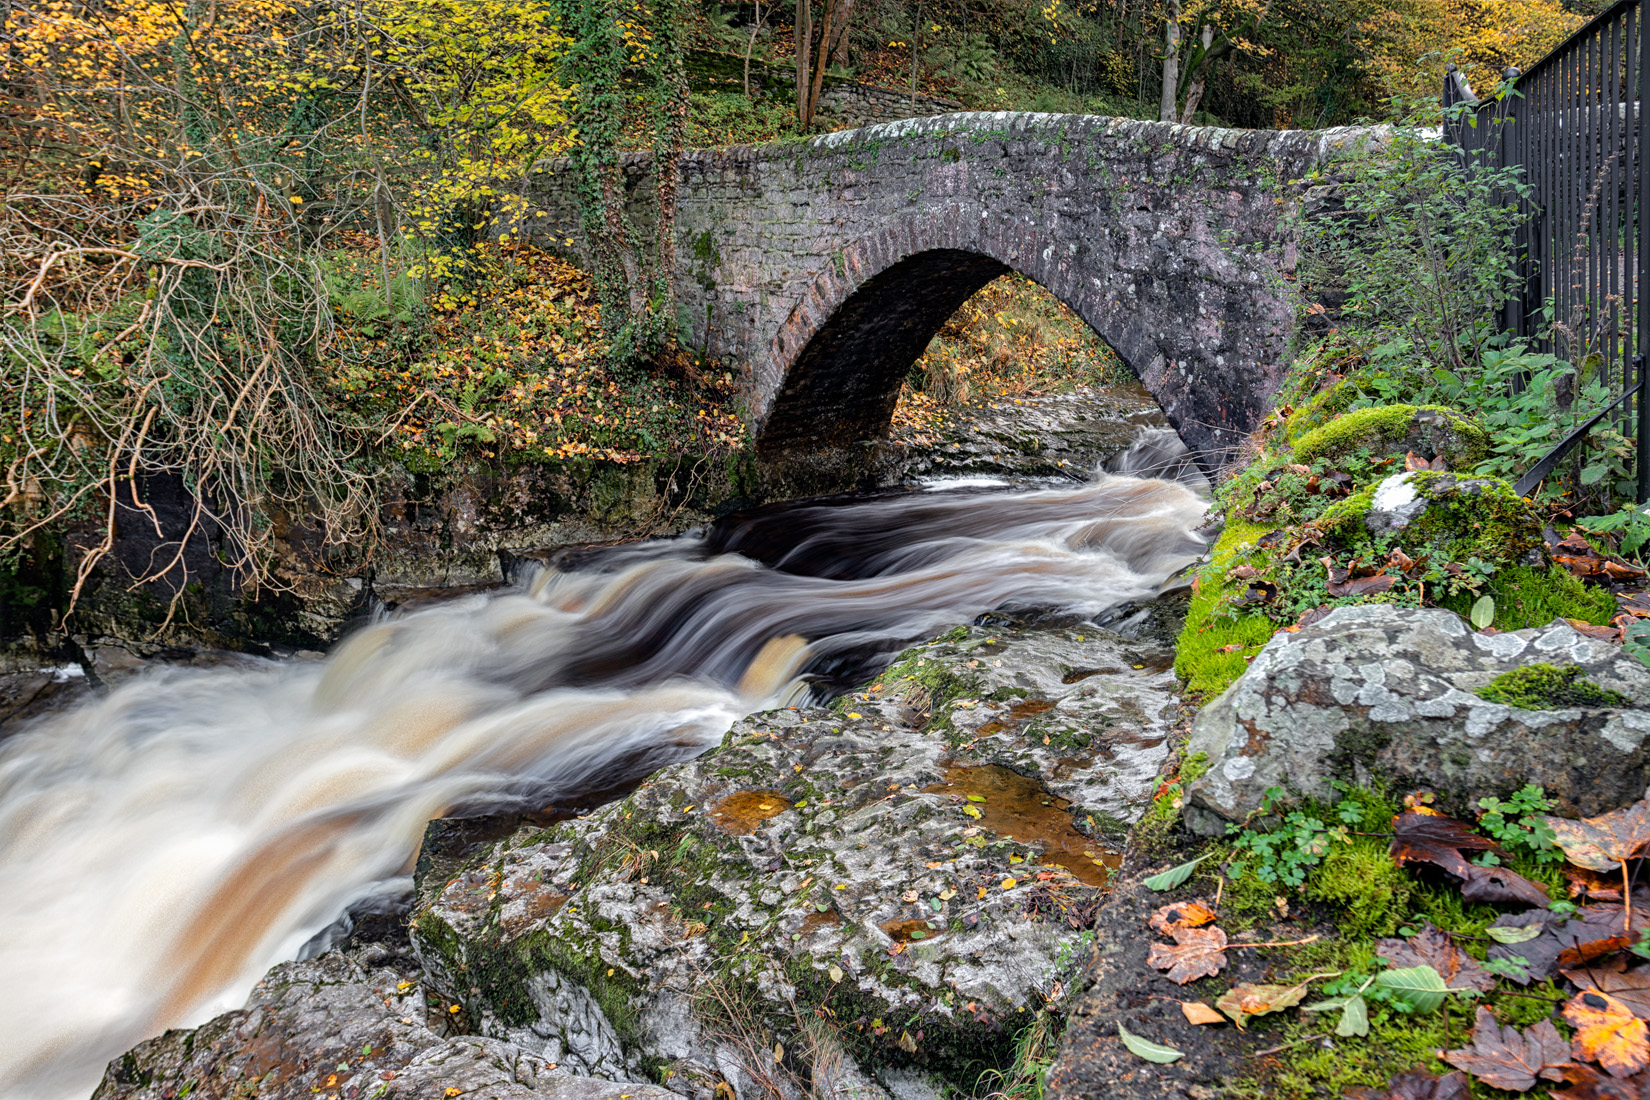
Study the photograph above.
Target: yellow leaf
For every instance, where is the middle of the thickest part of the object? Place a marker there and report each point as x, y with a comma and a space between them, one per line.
1196, 1012
1009, 884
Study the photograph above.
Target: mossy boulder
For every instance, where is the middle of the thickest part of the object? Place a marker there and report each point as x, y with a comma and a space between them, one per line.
1430, 431
907, 865
1450, 514
1390, 695
331, 1026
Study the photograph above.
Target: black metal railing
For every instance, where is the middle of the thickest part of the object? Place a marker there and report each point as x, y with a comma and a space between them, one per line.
1574, 125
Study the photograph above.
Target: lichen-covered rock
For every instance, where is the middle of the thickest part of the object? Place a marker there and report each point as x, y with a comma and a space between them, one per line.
1389, 692
1428, 430
329, 1027
890, 879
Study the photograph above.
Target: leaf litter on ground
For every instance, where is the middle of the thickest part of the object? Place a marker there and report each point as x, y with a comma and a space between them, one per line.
1507, 1058
1587, 946
1195, 953
1431, 947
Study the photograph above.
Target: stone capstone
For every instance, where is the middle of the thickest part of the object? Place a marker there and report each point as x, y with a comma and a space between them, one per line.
869, 890
1385, 693
329, 1026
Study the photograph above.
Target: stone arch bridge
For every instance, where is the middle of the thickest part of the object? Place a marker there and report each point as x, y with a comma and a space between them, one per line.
826, 266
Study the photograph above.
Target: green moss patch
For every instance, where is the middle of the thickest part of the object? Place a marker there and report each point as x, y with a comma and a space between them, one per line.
1431, 429
1549, 687
1204, 656
1527, 596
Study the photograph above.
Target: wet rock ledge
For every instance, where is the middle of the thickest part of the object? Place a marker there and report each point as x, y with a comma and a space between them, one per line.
874, 896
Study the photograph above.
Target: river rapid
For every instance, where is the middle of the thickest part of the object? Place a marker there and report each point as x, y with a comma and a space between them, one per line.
164, 845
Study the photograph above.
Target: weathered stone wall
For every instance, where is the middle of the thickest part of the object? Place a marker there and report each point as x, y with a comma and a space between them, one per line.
826, 266
867, 105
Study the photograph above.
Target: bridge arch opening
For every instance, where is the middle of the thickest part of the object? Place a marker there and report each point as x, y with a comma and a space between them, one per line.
844, 381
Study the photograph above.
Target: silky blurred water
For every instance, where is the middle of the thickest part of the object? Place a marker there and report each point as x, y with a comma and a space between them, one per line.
162, 846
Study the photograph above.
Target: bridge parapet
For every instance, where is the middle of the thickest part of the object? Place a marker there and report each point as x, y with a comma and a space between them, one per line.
826, 266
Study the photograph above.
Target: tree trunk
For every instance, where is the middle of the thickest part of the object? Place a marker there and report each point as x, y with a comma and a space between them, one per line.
833, 29
916, 33
1199, 80
750, 47
1171, 62
839, 56
804, 33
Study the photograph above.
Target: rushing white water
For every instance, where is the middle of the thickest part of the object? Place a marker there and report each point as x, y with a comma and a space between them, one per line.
162, 846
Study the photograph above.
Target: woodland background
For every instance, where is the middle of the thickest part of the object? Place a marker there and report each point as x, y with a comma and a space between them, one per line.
253, 239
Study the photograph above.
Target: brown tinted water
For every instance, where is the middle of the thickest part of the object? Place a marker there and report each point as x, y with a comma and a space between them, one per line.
1022, 809
741, 812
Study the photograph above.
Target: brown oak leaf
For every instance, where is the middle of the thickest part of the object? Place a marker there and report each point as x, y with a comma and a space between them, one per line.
1501, 886
1605, 842
1195, 953
1181, 914
1509, 1059
1430, 947
1607, 1032
1417, 1084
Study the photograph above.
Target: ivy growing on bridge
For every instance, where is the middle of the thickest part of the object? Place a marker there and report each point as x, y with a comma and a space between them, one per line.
625, 49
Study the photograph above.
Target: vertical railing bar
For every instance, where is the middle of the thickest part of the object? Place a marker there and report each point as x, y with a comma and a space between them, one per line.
1541, 116
1632, 33
1563, 169
1618, 131
1603, 228
1642, 300
1572, 197
1613, 289
1595, 192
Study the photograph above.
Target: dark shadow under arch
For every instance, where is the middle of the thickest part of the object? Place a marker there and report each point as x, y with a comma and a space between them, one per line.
844, 384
